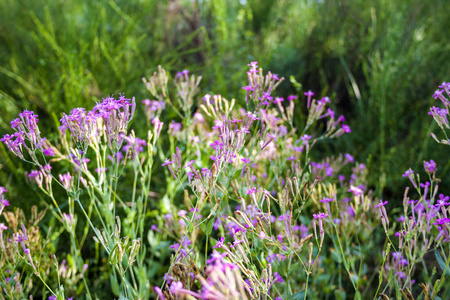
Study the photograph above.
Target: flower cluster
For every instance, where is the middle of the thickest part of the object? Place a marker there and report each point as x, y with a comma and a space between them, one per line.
3, 201
241, 202
27, 135
108, 119
153, 108
440, 115
223, 281
260, 87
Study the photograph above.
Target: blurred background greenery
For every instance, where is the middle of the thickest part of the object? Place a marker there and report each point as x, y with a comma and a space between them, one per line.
379, 60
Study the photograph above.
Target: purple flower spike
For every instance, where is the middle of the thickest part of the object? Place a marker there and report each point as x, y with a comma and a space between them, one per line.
176, 287
159, 293
442, 221
167, 162
305, 138
174, 128
219, 243
320, 215
346, 128
381, 204
349, 158
383, 213
189, 164
326, 200
437, 93
309, 93
49, 152
26, 130
408, 173
277, 278
246, 160
253, 65
65, 180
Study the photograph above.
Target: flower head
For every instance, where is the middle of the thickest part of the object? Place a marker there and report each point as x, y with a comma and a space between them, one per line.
320, 215
326, 200
429, 166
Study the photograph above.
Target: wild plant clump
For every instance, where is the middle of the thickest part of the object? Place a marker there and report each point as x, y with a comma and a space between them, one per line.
227, 200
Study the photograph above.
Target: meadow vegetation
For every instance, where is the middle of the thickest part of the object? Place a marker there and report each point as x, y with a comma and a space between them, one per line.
147, 150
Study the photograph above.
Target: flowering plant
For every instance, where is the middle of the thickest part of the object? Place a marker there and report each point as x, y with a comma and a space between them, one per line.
225, 202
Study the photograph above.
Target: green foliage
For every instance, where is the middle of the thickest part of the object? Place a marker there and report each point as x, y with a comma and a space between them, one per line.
380, 60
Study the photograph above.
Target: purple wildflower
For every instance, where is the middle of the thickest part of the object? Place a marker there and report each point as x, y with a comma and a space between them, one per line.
349, 158
437, 93
49, 152
355, 190
309, 94
159, 293
169, 163
134, 145
326, 200
219, 243
174, 128
246, 160
277, 278
320, 215
381, 204
430, 167
442, 221
408, 173
189, 164
65, 180
251, 190
216, 145
346, 128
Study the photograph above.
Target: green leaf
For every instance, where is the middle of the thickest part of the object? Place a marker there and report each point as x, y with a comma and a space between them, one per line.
298, 296
114, 284
209, 227
190, 227
74, 194
297, 85
441, 262
203, 227
294, 267
151, 239
336, 256
340, 294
